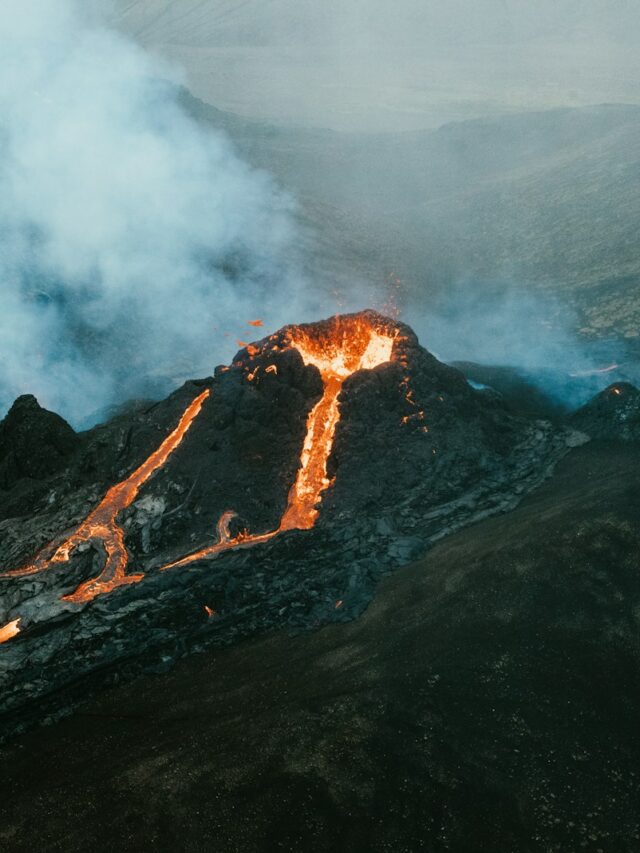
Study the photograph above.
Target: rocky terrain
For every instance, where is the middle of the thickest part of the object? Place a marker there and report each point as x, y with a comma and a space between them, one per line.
486, 701
417, 453
612, 414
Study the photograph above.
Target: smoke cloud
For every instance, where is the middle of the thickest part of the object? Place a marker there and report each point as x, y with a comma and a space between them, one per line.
538, 336
133, 244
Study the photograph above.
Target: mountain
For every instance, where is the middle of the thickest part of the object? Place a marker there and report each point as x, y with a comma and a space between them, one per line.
486, 701
291, 480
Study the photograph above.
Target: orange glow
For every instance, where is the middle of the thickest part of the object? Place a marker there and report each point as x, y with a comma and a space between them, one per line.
101, 524
337, 355
256, 323
209, 611
9, 631
272, 369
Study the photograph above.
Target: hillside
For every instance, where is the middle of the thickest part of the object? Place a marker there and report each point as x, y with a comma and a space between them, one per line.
486, 701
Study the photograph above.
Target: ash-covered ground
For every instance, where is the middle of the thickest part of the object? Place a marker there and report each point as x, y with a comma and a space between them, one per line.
417, 453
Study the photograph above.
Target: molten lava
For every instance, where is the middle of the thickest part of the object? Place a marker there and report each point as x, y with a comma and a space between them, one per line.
101, 524
343, 346
9, 631
346, 350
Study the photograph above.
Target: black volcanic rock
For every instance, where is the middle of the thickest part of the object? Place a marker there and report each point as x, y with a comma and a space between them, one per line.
417, 454
34, 442
614, 414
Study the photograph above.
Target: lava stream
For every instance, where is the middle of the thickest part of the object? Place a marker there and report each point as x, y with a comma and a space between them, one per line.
101, 524
10, 630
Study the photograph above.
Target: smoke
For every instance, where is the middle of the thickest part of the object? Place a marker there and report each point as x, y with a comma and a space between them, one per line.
131, 240
536, 335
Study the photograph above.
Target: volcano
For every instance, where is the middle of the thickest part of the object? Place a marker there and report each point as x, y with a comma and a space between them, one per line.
277, 492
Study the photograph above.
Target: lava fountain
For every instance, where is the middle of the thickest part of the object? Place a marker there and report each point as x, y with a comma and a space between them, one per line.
337, 348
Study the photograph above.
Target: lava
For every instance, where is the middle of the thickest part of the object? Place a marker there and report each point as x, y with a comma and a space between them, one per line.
101, 524
344, 351
9, 631
341, 347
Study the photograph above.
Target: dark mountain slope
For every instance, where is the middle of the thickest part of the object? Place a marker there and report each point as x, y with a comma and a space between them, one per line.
487, 701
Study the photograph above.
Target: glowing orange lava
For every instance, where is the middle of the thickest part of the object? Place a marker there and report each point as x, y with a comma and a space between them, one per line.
348, 349
101, 524
9, 631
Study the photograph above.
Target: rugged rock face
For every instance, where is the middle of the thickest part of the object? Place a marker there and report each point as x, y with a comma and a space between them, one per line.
34, 443
614, 414
416, 453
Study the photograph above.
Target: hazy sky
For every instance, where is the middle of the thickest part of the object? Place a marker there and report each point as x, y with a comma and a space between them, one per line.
131, 239
394, 63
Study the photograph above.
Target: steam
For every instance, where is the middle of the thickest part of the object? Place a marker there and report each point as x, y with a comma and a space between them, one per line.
131, 240
535, 335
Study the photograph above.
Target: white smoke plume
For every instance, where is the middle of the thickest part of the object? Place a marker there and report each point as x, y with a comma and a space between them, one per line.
130, 238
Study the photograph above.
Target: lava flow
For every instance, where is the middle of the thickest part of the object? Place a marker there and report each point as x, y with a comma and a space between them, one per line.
101, 524
10, 630
343, 346
346, 348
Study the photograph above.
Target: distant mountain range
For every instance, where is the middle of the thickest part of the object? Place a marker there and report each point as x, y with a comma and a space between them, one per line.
392, 64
